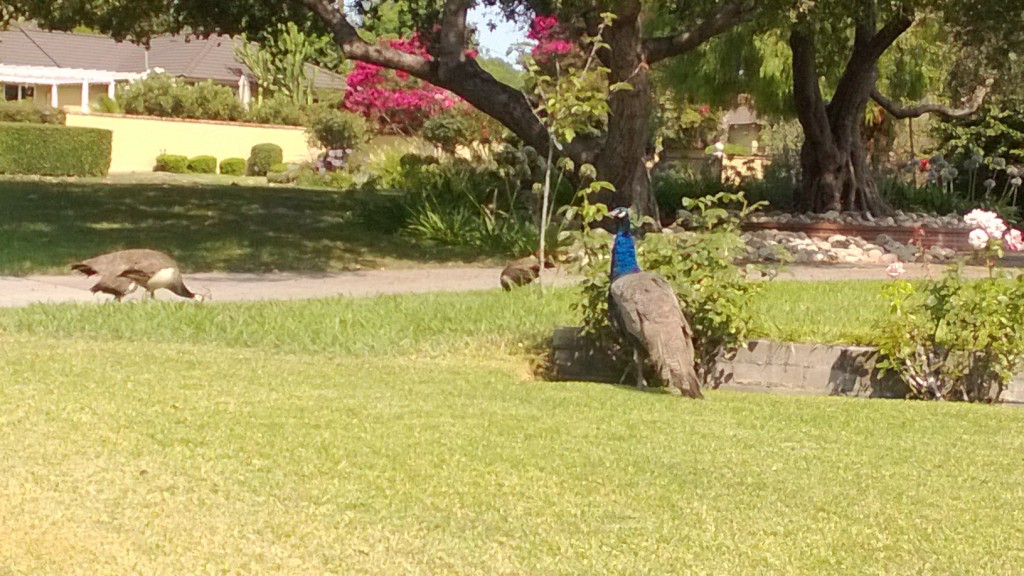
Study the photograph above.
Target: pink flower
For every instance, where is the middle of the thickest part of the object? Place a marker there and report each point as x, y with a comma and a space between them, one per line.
1014, 240
895, 270
978, 239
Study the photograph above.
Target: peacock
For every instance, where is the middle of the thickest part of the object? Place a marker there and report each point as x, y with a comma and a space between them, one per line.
644, 309
122, 272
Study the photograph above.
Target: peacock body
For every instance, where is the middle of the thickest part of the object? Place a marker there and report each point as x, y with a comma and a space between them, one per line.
643, 307
122, 272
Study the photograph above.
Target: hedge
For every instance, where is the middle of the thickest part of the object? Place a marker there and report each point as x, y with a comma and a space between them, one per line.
232, 166
53, 150
173, 163
202, 165
28, 112
262, 157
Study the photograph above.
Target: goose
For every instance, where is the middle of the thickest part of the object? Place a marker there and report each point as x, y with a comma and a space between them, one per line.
644, 308
124, 271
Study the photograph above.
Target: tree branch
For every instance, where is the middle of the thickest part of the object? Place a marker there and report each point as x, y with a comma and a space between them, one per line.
889, 33
730, 15
971, 105
346, 37
807, 89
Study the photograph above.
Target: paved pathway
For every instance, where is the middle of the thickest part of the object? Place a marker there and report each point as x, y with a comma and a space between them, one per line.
21, 291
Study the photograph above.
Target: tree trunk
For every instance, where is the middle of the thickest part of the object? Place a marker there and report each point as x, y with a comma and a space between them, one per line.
622, 159
833, 159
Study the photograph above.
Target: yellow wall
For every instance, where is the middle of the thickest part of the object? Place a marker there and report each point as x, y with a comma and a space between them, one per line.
138, 140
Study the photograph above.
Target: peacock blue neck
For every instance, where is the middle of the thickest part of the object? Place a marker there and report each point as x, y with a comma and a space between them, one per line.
624, 253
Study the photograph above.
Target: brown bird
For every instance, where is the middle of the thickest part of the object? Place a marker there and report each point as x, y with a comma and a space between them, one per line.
521, 272
122, 272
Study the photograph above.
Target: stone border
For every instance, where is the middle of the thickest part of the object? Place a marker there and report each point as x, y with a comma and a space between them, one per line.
762, 365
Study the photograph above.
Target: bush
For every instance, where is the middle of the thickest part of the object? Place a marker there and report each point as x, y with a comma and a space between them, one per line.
202, 165
954, 339
232, 166
163, 95
448, 130
335, 129
29, 113
49, 150
262, 157
278, 168
173, 163
278, 110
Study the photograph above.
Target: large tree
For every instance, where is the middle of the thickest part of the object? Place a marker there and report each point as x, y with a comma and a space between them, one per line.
857, 34
618, 154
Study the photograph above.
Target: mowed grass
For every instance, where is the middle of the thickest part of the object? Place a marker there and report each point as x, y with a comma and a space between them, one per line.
124, 457
406, 434
206, 224
432, 324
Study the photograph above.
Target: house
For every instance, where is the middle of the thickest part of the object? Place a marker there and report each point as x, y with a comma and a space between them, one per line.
71, 69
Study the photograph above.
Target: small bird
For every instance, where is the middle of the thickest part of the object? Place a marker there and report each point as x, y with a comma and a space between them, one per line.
521, 272
124, 271
643, 307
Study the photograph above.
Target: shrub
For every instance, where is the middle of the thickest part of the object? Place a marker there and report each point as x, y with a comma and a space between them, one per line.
232, 166
107, 105
202, 165
954, 339
262, 157
336, 129
174, 163
448, 130
50, 150
278, 110
28, 112
163, 95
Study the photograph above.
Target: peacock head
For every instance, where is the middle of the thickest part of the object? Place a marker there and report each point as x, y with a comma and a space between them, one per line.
620, 216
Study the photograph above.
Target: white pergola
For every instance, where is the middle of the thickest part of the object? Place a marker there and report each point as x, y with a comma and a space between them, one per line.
54, 77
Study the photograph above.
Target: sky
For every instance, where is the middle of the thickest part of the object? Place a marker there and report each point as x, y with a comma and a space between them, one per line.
496, 44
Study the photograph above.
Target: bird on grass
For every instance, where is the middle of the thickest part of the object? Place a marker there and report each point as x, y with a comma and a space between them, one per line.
644, 309
521, 272
122, 272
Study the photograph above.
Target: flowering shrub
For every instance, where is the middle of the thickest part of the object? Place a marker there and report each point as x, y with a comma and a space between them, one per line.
957, 340
394, 101
551, 37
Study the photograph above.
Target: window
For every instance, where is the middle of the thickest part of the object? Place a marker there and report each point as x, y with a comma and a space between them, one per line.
15, 92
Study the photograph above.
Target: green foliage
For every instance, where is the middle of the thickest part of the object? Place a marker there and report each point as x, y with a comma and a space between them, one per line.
54, 150
953, 339
683, 124
202, 165
28, 112
278, 110
164, 96
232, 166
459, 203
173, 163
282, 63
262, 157
336, 129
107, 105
278, 168
996, 131
699, 264
672, 187
448, 130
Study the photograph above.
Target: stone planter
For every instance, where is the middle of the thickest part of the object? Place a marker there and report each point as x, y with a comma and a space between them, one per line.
763, 365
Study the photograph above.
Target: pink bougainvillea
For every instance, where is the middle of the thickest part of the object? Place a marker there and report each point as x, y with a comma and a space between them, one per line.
551, 37
393, 99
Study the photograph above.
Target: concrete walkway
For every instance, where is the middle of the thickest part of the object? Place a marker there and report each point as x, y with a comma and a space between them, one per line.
228, 287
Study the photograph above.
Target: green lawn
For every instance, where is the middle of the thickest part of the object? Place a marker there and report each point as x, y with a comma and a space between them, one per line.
405, 434
206, 223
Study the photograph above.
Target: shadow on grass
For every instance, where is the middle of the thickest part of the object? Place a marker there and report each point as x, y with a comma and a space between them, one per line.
44, 226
